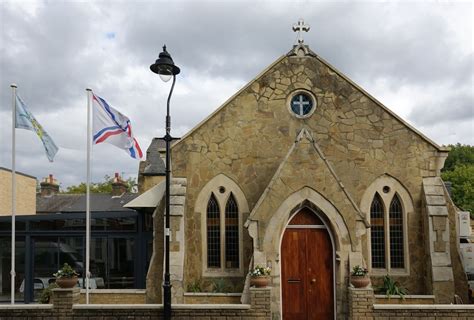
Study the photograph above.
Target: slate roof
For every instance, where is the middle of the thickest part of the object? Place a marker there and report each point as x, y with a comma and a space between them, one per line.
99, 202
154, 163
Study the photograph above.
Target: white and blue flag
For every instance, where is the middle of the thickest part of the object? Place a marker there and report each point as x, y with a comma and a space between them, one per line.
25, 120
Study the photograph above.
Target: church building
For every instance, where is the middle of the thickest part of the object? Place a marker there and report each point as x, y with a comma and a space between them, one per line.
306, 173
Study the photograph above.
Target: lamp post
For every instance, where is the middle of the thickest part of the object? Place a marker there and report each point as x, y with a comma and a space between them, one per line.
166, 69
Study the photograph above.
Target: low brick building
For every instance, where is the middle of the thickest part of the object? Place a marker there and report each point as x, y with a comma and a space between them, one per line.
25, 193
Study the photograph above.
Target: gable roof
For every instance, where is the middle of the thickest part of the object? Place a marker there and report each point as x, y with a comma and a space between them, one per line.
310, 53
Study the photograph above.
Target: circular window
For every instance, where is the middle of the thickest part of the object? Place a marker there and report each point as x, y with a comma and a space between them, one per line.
386, 189
221, 189
302, 104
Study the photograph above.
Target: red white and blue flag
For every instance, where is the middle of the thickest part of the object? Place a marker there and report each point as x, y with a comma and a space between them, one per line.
111, 126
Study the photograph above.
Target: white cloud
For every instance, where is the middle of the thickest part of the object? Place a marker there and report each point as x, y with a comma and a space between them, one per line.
413, 57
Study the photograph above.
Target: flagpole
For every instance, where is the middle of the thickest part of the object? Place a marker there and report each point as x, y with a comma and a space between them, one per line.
88, 213
12, 271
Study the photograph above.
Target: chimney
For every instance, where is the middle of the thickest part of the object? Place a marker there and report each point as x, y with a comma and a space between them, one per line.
119, 187
49, 186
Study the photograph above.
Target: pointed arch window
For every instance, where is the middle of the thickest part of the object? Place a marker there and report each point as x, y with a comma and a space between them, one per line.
396, 233
387, 233
223, 232
231, 233
213, 233
377, 235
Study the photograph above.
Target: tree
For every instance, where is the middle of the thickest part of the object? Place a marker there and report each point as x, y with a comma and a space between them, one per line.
459, 170
458, 155
98, 187
462, 180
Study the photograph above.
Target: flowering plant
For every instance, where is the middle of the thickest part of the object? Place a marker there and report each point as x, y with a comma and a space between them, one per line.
359, 271
259, 271
66, 272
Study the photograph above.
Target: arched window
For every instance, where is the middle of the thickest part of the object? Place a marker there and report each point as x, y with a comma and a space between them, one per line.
213, 233
387, 204
231, 233
396, 233
377, 235
386, 233
222, 207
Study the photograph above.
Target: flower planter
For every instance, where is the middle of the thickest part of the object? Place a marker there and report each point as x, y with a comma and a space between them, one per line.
259, 282
360, 281
66, 283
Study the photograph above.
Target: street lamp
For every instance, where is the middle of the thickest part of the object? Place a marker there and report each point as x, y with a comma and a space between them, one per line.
166, 69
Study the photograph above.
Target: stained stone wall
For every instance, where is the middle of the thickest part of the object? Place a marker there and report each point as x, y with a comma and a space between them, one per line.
251, 135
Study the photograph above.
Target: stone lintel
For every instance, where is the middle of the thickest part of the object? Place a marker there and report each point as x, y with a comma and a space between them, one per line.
177, 210
177, 190
432, 181
437, 211
440, 259
181, 181
435, 200
177, 200
433, 190
442, 274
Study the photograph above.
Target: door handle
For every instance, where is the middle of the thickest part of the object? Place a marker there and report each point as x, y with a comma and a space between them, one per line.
313, 280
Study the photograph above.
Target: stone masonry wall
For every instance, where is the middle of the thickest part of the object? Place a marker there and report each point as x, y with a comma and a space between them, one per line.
361, 307
65, 307
248, 138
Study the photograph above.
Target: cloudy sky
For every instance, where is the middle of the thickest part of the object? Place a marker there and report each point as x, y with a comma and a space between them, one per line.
415, 57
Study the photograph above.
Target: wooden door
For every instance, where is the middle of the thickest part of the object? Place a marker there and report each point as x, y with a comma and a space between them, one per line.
307, 270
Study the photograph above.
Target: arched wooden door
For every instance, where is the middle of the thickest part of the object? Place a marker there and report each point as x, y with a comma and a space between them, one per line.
307, 277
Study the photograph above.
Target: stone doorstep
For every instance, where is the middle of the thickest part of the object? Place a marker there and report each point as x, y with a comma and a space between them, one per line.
160, 306
423, 307
25, 306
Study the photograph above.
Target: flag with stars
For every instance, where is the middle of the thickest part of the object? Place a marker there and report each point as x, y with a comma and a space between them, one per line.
25, 120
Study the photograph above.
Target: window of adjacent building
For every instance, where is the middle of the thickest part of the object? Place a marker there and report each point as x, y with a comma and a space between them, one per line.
222, 233
387, 238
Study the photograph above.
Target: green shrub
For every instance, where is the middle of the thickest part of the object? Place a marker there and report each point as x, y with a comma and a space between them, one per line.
45, 295
219, 286
195, 286
392, 288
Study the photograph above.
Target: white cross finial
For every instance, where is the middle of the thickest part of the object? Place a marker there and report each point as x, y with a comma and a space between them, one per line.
300, 26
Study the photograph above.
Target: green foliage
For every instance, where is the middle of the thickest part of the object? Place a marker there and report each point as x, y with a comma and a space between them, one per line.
459, 170
459, 155
45, 295
462, 180
392, 288
66, 272
97, 187
219, 286
195, 286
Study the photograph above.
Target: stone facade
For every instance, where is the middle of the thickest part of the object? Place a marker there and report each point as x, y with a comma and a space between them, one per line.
327, 161
25, 193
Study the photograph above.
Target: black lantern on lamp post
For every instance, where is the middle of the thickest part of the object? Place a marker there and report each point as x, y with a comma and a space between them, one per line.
166, 69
